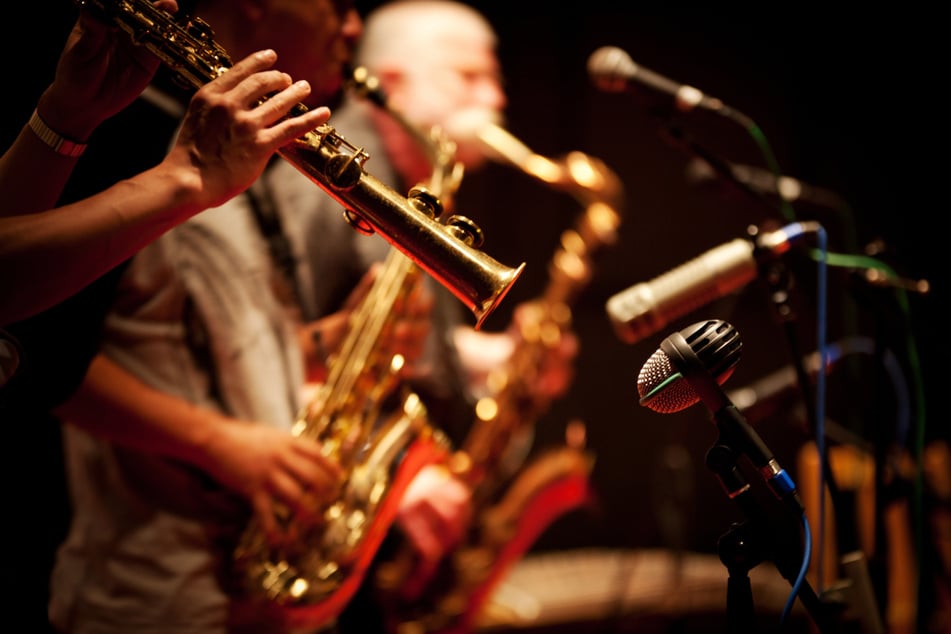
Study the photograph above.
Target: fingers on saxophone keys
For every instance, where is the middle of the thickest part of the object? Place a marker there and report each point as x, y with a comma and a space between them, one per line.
264, 511
288, 505
314, 480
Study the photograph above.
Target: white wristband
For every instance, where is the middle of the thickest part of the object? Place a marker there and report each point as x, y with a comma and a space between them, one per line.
59, 144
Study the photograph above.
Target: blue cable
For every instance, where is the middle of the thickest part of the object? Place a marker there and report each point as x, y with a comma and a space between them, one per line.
807, 555
820, 421
821, 383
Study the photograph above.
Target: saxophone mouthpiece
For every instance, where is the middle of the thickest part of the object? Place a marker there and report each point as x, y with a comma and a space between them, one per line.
583, 176
483, 125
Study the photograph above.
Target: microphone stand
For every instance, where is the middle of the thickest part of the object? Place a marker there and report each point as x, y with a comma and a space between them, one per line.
846, 533
780, 283
679, 139
737, 551
761, 536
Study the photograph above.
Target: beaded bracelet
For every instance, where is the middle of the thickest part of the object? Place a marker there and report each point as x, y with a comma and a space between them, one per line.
59, 144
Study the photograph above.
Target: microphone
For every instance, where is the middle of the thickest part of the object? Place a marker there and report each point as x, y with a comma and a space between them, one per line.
690, 366
762, 181
714, 347
641, 310
612, 70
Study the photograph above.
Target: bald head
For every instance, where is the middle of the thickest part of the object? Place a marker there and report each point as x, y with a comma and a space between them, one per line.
434, 59
416, 30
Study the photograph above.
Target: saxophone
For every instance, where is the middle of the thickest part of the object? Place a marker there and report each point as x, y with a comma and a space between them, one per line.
312, 575
512, 503
447, 250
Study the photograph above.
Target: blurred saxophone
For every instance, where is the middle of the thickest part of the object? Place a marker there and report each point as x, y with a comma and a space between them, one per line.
512, 407
447, 251
513, 503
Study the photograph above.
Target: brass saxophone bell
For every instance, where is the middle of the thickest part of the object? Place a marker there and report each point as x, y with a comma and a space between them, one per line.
409, 223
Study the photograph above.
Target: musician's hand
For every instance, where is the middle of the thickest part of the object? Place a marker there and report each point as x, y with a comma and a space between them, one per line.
270, 467
99, 72
236, 122
551, 370
435, 512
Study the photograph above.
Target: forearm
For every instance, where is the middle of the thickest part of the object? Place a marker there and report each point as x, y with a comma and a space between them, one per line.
48, 256
116, 406
261, 462
23, 193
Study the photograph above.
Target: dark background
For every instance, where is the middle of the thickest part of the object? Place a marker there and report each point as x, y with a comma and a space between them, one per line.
839, 106
849, 103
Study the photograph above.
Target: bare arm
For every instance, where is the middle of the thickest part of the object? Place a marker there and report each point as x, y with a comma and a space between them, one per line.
265, 464
225, 142
99, 72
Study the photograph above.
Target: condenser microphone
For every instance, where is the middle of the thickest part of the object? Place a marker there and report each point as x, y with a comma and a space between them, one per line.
612, 70
689, 367
641, 310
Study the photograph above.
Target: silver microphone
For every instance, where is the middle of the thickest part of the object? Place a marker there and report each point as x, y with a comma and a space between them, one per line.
641, 310
612, 70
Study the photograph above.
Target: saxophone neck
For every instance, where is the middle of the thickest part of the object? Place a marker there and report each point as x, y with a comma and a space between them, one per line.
184, 44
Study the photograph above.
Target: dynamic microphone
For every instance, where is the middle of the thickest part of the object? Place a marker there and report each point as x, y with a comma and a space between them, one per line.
641, 310
714, 348
690, 366
612, 70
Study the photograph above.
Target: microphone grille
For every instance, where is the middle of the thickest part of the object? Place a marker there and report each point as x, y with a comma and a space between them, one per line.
677, 396
715, 345
609, 67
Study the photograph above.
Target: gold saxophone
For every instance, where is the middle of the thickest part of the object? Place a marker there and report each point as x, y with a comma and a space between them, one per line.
446, 250
513, 504
313, 574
